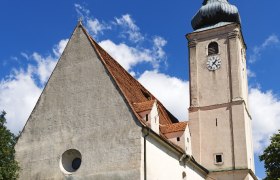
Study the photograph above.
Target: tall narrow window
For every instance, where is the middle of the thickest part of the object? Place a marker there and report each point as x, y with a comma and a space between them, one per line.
213, 48
147, 117
216, 121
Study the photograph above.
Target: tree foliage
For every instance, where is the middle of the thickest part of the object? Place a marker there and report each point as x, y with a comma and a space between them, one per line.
8, 166
271, 158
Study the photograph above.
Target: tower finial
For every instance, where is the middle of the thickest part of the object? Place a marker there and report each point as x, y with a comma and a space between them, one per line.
80, 21
205, 1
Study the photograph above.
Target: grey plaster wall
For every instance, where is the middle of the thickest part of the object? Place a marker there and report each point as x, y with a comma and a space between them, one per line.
82, 109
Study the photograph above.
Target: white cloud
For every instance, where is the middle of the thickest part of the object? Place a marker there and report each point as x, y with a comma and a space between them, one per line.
96, 27
18, 95
265, 110
257, 50
130, 28
250, 73
21, 89
159, 53
129, 56
126, 20
125, 55
45, 66
25, 55
171, 91
14, 58
159, 43
271, 40
132, 73
81, 11
93, 25
59, 48
264, 106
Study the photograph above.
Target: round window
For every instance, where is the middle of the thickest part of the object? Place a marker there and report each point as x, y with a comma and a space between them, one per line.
70, 161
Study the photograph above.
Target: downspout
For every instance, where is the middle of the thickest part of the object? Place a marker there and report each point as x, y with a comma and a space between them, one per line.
183, 157
147, 133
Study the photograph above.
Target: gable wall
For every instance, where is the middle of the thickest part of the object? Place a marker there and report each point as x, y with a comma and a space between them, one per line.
82, 109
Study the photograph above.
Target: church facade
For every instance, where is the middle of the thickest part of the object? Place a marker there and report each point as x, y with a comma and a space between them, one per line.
95, 121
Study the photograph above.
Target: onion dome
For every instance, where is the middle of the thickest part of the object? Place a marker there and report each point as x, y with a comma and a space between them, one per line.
213, 12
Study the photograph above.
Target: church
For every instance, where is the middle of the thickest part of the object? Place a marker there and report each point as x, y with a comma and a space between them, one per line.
94, 121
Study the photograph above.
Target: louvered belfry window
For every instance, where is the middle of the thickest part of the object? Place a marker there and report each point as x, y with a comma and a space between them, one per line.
213, 48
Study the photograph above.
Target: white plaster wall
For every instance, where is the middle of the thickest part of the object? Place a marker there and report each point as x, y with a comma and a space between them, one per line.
214, 138
213, 87
188, 141
163, 163
173, 138
143, 116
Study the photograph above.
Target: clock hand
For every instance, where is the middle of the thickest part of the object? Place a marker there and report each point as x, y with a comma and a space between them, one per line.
215, 61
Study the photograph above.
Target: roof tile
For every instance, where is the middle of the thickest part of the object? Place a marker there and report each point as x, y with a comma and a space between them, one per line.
143, 106
175, 127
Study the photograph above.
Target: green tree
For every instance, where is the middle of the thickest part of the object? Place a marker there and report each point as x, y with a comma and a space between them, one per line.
9, 168
271, 158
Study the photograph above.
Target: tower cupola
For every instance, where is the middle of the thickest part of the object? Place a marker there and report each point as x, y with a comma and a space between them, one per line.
213, 12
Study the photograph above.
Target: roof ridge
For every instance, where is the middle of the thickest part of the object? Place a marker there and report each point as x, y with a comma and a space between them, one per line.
174, 124
151, 100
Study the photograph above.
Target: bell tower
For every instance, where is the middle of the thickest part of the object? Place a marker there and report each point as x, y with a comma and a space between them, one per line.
220, 122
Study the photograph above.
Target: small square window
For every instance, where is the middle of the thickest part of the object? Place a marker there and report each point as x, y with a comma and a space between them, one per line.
219, 159
178, 138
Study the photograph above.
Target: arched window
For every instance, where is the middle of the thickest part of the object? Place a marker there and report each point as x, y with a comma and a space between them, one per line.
213, 48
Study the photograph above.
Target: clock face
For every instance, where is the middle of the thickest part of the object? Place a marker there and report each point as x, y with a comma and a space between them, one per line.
214, 63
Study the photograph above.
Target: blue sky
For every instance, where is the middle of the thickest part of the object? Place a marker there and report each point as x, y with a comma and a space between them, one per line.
151, 44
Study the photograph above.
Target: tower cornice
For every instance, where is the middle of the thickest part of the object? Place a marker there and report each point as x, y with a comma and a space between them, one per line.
231, 30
